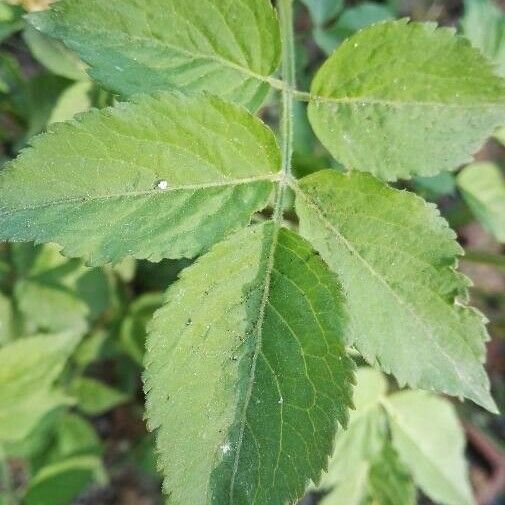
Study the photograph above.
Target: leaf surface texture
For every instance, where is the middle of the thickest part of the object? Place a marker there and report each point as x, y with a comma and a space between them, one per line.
141, 179
246, 374
400, 99
228, 48
395, 257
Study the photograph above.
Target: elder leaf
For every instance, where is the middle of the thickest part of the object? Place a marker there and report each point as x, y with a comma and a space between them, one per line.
400, 99
61, 482
363, 440
395, 257
246, 372
141, 179
484, 26
228, 48
365, 467
29, 368
483, 188
429, 439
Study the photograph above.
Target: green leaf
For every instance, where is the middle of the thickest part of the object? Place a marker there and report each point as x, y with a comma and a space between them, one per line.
394, 100
10, 20
74, 100
364, 467
246, 373
20, 416
484, 25
29, 368
352, 489
433, 188
483, 188
228, 48
37, 100
7, 320
94, 397
363, 440
352, 20
389, 483
75, 436
430, 441
133, 328
60, 483
90, 348
142, 179
54, 55
395, 257
323, 11
500, 135
56, 294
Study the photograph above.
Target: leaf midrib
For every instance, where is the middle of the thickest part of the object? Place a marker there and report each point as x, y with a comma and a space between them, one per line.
363, 100
349, 246
185, 52
257, 351
132, 194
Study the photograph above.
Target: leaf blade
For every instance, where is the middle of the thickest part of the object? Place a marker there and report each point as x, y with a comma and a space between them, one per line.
435, 457
29, 368
244, 355
381, 243
228, 48
483, 188
141, 179
400, 89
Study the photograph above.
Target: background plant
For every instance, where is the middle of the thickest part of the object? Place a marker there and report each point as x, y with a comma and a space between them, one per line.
194, 180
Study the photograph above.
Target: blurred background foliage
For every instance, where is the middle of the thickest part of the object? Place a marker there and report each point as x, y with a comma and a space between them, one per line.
77, 435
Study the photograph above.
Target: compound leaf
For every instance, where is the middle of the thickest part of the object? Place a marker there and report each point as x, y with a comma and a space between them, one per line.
247, 375
395, 257
401, 99
483, 188
429, 439
228, 48
164, 176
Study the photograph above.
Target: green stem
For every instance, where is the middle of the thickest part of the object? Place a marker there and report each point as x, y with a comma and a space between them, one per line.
301, 96
285, 8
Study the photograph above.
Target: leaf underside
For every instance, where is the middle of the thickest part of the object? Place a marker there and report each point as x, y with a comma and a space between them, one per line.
395, 257
141, 179
395, 89
248, 347
227, 48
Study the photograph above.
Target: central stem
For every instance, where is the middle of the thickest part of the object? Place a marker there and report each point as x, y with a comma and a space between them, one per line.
285, 8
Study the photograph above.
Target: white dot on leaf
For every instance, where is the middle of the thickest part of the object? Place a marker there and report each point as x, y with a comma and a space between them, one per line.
162, 185
225, 448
